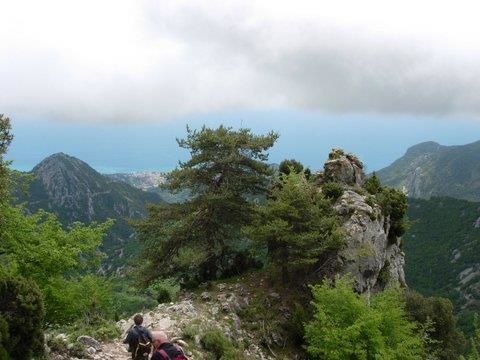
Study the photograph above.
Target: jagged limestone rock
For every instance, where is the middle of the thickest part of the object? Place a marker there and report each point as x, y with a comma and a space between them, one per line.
343, 168
90, 342
369, 256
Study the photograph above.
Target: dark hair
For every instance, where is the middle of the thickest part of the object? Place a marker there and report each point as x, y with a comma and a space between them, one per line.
138, 319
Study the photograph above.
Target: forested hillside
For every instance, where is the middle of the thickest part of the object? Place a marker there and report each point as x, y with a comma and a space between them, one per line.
442, 250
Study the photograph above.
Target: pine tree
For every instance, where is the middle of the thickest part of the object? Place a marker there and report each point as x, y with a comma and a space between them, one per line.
201, 238
297, 226
5, 139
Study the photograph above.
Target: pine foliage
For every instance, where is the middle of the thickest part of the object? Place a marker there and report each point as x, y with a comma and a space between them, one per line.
21, 318
297, 225
201, 239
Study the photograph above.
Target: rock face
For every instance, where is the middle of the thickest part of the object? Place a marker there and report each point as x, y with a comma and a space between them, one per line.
370, 256
344, 168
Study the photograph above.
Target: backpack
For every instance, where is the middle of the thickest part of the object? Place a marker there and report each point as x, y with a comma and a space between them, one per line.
179, 356
144, 345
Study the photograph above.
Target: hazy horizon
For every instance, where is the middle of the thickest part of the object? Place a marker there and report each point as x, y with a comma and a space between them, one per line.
305, 136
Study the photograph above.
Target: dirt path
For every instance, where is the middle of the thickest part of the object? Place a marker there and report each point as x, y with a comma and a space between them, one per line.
113, 351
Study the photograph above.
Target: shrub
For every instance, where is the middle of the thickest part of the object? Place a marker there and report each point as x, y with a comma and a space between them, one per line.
448, 341
57, 345
189, 332
222, 348
4, 338
295, 325
73, 299
95, 326
373, 185
346, 325
370, 200
22, 313
165, 290
287, 166
128, 299
332, 190
394, 204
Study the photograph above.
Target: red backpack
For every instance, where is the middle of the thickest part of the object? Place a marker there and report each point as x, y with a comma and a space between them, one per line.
179, 355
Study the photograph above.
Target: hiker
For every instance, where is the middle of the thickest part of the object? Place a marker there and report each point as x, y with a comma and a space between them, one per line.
165, 350
139, 339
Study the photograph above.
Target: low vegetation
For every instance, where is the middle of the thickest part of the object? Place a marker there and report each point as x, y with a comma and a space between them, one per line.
347, 325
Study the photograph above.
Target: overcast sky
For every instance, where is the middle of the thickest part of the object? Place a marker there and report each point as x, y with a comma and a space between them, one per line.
134, 60
115, 81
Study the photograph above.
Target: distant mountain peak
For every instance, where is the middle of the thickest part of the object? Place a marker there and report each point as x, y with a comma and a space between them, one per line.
424, 147
60, 157
74, 191
430, 169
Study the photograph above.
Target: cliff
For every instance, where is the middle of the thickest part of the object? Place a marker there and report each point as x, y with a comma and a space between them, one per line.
370, 255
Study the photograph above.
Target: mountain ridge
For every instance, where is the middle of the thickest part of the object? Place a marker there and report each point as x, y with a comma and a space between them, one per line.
430, 169
74, 191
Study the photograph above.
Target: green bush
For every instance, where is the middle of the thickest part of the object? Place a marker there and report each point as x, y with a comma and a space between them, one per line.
73, 299
21, 309
448, 341
295, 325
287, 166
370, 200
189, 332
222, 348
4, 338
128, 299
163, 296
347, 325
373, 185
57, 345
164, 290
394, 204
332, 190
95, 326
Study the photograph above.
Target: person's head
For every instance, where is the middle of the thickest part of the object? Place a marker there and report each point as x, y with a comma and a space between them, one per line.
159, 337
138, 319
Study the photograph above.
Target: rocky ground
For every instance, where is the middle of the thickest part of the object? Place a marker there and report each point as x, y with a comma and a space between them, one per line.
226, 307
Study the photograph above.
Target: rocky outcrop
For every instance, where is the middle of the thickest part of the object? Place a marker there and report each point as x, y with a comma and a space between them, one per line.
370, 256
343, 168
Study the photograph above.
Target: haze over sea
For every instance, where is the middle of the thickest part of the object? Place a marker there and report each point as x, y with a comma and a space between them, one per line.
112, 147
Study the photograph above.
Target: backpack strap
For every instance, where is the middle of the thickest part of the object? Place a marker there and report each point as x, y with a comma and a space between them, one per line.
164, 354
142, 336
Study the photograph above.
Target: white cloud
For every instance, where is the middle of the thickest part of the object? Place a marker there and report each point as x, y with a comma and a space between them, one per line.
128, 60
